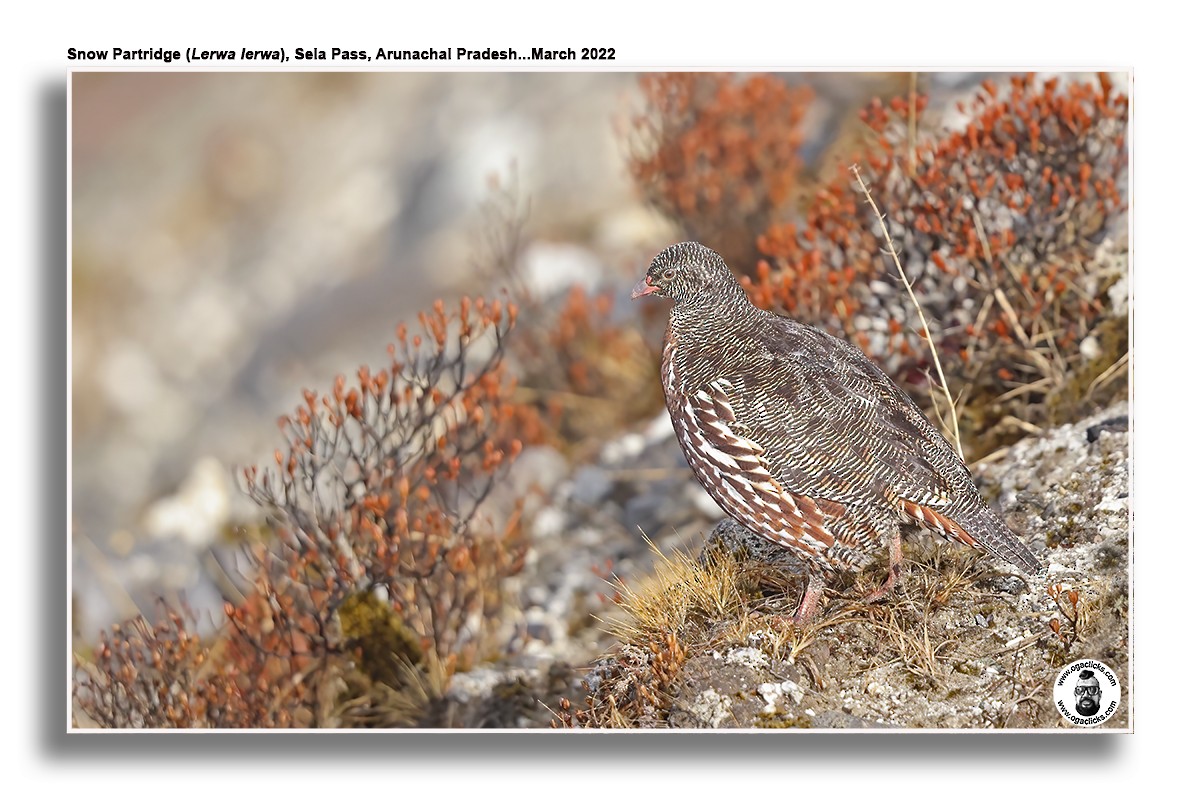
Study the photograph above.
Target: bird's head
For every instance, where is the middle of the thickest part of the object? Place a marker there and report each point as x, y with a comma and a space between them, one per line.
689, 273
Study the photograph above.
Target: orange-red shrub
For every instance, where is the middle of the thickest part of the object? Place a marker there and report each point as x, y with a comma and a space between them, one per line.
163, 675
720, 154
379, 491
383, 481
997, 221
586, 371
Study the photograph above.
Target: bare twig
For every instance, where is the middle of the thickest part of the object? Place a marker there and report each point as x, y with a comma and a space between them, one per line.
1013, 320
937, 362
1121, 363
1020, 424
1040, 385
983, 239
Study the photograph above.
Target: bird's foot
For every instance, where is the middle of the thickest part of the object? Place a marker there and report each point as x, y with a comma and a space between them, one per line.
810, 604
875, 595
895, 556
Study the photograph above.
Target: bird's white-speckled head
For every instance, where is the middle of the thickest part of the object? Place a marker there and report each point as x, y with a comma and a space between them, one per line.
689, 272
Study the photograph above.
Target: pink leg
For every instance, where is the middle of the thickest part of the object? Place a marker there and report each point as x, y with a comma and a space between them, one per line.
811, 602
894, 559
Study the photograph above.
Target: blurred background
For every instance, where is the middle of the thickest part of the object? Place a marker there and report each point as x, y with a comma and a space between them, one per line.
237, 237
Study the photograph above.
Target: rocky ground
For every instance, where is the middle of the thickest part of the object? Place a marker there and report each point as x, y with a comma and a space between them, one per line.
964, 643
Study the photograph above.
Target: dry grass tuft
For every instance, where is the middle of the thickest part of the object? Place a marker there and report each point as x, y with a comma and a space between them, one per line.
687, 606
682, 597
932, 634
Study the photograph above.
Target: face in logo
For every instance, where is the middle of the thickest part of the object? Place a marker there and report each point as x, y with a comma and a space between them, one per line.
1087, 694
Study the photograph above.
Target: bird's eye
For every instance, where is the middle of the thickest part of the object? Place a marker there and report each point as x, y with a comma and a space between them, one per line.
668, 274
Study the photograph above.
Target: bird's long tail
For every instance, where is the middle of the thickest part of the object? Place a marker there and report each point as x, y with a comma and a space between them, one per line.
990, 533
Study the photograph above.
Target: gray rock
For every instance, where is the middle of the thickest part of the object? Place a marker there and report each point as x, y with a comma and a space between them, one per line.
590, 485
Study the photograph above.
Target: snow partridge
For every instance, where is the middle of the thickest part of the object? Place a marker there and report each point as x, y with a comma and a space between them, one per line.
800, 438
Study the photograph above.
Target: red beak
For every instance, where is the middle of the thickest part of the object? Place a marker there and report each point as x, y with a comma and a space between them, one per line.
642, 289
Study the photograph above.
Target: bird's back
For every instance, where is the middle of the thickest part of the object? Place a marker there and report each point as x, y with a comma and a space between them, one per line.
810, 422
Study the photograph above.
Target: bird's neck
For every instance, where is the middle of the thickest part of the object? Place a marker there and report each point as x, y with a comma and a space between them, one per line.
715, 313
715, 328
